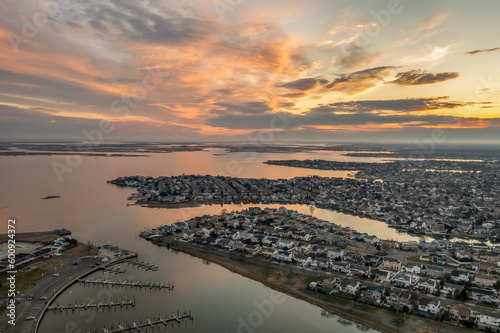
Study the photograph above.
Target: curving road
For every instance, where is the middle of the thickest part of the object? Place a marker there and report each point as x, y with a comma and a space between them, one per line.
47, 287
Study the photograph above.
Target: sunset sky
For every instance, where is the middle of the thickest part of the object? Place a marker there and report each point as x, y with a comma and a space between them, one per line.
229, 70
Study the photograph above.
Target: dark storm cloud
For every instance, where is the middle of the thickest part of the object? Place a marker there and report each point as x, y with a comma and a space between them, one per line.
418, 77
482, 51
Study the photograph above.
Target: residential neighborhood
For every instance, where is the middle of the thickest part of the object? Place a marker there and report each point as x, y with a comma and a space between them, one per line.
434, 284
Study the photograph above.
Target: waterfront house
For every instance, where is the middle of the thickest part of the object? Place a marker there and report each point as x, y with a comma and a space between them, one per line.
237, 246
486, 317
435, 272
404, 280
372, 292
381, 275
427, 285
414, 268
359, 270
450, 289
429, 305
486, 281
399, 299
460, 276
391, 264
285, 244
335, 254
285, 256
269, 252
437, 258
302, 259
372, 260
459, 312
482, 295
340, 266
349, 286
253, 249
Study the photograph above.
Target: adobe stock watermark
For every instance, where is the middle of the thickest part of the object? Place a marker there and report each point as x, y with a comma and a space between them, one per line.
221, 7
32, 24
366, 33
263, 310
120, 107
485, 88
104, 295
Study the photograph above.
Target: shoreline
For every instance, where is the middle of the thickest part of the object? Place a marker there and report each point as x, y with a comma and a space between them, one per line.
288, 291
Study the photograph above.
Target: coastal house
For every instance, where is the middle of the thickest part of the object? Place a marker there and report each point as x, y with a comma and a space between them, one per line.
450, 289
435, 272
486, 281
303, 260
429, 305
391, 264
237, 246
482, 295
382, 276
373, 292
404, 280
359, 270
253, 249
372, 260
486, 317
414, 268
427, 285
459, 312
268, 252
339, 266
335, 254
285, 244
400, 300
285, 256
460, 276
349, 286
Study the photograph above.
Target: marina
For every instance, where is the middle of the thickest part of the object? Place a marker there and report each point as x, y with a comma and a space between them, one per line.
131, 284
152, 323
89, 306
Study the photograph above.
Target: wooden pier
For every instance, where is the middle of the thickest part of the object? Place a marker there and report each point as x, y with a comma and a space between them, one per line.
115, 271
131, 284
142, 264
89, 306
152, 323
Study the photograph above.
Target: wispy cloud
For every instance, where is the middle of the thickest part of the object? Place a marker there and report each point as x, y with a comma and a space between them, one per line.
418, 77
482, 51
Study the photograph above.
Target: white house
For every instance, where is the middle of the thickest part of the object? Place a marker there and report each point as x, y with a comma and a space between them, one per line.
285, 244
404, 280
335, 253
460, 276
414, 268
429, 305
349, 286
427, 285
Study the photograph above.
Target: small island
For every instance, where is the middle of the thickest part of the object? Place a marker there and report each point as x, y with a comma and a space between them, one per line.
51, 197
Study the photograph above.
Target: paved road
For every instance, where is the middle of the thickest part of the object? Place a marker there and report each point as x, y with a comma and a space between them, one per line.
46, 287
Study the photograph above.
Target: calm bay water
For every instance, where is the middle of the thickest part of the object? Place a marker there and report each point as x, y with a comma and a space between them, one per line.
96, 211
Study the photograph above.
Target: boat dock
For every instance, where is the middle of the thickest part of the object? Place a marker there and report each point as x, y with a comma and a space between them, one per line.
142, 264
115, 271
89, 306
131, 284
131, 327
